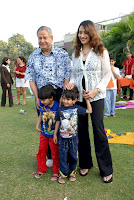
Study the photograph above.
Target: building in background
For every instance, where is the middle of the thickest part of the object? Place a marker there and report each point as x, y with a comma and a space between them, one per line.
68, 41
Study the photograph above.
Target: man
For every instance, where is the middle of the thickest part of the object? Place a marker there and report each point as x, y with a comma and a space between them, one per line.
48, 65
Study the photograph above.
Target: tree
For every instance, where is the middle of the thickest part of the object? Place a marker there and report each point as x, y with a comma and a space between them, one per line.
16, 46
119, 38
3, 46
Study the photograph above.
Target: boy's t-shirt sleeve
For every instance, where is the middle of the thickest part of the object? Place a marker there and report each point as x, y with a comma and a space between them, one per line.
81, 110
57, 116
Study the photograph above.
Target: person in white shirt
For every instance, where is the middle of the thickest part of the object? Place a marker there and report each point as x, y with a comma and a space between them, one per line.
91, 72
111, 90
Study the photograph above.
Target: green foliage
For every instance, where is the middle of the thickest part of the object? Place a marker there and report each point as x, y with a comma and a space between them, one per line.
16, 46
119, 38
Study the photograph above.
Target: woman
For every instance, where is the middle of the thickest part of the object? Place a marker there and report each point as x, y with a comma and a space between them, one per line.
6, 82
91, 72
19, 70
128, 68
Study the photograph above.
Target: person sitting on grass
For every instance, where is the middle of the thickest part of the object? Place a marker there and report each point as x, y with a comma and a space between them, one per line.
48, 108
67, 115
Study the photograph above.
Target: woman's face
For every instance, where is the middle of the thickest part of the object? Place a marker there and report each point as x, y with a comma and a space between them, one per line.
19, 61
83, 36
129, 55
8, 61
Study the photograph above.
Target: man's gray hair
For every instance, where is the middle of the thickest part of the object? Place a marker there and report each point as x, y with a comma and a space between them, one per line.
46, 29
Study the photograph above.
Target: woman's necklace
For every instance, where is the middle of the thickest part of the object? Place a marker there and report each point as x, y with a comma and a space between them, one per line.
85, 54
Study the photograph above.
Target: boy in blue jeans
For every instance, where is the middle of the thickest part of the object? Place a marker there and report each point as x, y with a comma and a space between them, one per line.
67, 118
111, 90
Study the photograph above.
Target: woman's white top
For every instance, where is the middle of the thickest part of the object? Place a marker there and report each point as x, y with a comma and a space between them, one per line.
96, 72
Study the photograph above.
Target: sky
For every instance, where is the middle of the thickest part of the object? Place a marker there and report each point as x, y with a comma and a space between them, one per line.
26, 16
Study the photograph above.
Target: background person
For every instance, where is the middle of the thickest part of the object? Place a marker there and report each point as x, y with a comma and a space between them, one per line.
91, 71
19, 71
111, 90
48, 65
128, 65
6, 82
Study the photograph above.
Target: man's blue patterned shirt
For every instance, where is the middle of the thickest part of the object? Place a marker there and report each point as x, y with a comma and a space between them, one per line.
51, 69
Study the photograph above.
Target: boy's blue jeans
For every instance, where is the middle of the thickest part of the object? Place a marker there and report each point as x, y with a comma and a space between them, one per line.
68, 155
109, 102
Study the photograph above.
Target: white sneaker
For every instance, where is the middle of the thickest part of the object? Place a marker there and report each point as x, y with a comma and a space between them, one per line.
49, 163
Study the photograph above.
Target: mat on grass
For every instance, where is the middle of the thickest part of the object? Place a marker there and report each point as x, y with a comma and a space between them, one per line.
124, 104
126, 138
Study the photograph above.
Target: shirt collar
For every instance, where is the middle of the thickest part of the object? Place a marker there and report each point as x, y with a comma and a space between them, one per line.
53, 51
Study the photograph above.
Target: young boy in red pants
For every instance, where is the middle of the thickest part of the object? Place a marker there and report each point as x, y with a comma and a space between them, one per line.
48, 108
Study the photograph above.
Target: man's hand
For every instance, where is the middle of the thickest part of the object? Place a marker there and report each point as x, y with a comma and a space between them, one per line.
38, 103
69, 86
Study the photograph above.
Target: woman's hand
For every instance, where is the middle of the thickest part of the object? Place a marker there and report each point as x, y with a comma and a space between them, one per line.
17, 72
8, 85
90, 94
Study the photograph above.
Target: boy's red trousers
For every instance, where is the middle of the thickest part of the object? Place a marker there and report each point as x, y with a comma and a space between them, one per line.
42, 153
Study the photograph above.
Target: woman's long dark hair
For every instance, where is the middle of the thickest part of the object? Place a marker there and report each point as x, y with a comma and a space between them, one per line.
4, 61
23, 59
95, 39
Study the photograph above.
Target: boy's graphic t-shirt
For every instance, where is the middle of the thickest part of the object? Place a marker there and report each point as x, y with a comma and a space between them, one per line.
68, 116
48, 118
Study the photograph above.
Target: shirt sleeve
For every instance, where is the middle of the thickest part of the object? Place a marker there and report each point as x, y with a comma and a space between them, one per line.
67, 64
57, 116
81, 110
30, 72
124, 62
3, 75
73, 75
106, 75
118, 71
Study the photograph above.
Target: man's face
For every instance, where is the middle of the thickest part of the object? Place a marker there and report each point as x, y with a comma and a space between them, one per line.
44, 40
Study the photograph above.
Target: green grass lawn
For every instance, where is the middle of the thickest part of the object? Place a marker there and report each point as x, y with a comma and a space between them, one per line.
19, 142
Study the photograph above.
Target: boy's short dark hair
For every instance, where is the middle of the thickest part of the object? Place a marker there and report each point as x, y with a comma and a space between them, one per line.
47, 92
112, 58
71, 94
